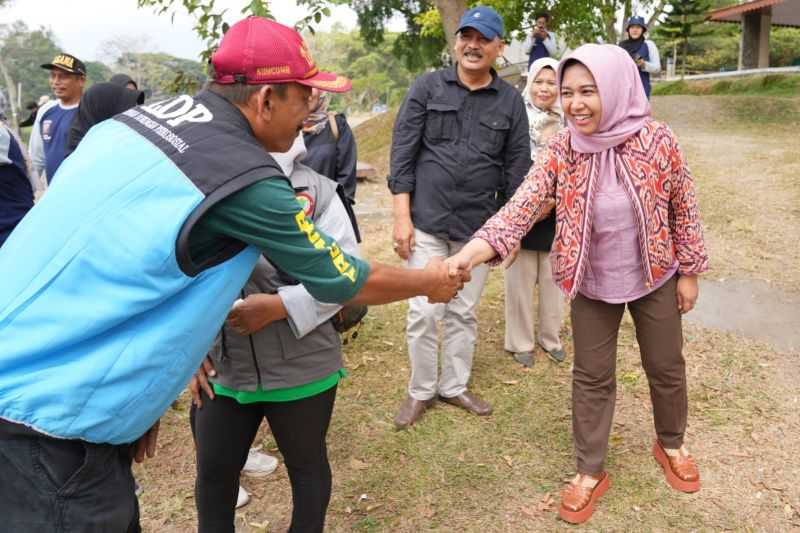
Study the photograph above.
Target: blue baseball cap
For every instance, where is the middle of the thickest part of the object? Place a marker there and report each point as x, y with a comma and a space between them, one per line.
484, 19
636, 21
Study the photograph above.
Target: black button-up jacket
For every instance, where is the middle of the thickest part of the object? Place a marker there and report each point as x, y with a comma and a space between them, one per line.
460, 153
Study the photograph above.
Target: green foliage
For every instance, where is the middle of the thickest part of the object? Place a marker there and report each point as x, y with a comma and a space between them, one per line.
23, 51
378, 74
162, 74
96, 72
686, 20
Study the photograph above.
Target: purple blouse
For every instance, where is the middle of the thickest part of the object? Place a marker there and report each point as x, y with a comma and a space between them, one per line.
615, 270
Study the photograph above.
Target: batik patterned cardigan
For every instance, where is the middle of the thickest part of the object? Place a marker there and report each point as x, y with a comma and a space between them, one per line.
661, 189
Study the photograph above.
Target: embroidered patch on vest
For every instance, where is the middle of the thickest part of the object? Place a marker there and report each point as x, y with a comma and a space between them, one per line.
306, 202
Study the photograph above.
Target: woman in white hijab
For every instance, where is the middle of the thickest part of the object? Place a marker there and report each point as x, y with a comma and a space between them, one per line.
532, 265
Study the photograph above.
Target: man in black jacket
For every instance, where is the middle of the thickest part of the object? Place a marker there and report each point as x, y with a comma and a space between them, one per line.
460, 141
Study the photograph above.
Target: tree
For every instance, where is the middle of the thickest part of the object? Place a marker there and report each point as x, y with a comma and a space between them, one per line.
682, 23
22, 51
377, 74
209, 23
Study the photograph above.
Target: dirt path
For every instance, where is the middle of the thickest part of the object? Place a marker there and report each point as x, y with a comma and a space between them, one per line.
752, 308
746, 172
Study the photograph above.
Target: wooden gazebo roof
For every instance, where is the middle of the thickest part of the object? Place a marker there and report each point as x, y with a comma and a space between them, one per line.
784, 12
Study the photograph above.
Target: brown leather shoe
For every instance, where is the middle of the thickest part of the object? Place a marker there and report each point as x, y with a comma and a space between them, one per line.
410, 411
577, 501
470, 402
681, 472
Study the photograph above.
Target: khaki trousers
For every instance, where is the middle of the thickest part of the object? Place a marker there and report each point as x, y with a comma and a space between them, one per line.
459, 327
595, 325
532, 268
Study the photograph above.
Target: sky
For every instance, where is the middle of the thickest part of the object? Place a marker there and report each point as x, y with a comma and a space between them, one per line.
82, 26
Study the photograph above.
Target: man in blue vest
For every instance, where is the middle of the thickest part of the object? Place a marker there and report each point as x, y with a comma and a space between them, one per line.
643, 51
141, 246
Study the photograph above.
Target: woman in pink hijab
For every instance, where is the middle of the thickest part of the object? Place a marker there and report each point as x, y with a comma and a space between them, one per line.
628, 234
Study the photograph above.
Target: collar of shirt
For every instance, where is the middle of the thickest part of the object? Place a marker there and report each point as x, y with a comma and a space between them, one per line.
451, 76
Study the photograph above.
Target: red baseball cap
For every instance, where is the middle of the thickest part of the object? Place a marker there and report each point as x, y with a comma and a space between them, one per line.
257, 50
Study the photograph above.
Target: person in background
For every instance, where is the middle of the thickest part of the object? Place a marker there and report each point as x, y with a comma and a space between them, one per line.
643, 51
123, 80
48, 141
278, 356
540, 42
628, 235
33, 108
331, 148
16, 189
100, 102
532, 265
460, 143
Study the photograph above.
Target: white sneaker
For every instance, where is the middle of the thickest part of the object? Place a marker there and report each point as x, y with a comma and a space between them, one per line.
243, 498
259, 464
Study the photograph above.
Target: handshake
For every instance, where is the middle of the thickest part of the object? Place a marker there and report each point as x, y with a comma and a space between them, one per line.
451, 274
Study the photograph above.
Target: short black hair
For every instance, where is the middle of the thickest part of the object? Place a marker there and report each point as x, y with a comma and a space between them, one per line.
541, 14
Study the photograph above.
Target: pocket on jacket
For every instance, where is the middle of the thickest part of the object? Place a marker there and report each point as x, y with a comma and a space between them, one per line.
322, 338
441, 121
492, 134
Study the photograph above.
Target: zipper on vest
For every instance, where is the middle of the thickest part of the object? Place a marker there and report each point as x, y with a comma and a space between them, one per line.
253, 352
224, 354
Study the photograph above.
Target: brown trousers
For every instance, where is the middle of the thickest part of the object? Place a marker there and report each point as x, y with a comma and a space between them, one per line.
595, 326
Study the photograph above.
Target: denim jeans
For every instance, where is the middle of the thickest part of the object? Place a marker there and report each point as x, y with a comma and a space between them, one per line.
63, 485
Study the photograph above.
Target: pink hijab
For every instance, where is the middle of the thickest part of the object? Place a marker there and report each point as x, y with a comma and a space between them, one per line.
625, 106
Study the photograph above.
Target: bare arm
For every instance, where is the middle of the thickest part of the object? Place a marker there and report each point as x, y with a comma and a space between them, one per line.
387, 284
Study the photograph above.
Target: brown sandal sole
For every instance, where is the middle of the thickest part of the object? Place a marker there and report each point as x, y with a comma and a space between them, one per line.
579, 517
672, 479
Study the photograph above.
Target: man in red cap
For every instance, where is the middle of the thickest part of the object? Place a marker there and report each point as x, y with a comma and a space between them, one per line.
142, 246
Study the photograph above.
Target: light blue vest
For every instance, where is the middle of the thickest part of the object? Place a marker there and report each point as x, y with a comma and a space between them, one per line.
101, 326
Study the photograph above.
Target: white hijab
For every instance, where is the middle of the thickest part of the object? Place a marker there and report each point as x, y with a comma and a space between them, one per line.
542, 124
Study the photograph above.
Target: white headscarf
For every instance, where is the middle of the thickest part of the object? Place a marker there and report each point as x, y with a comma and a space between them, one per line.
286, 159
541, 123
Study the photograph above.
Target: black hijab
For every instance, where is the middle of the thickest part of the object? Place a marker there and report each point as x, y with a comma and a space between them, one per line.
123, 80
102, 101
632, 46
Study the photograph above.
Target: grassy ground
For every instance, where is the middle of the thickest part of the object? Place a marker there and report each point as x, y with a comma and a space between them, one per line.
455, 472
767, 85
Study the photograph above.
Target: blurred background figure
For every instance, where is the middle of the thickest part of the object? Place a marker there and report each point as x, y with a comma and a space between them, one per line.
123, 80
33, 108
541, 42
16, 190
532, 266
48, 142
643, 51
331, 148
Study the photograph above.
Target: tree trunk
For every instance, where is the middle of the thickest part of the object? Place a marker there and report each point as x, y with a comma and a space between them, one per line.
12, 94
451, 11
626, 14
608, 11
657, 13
